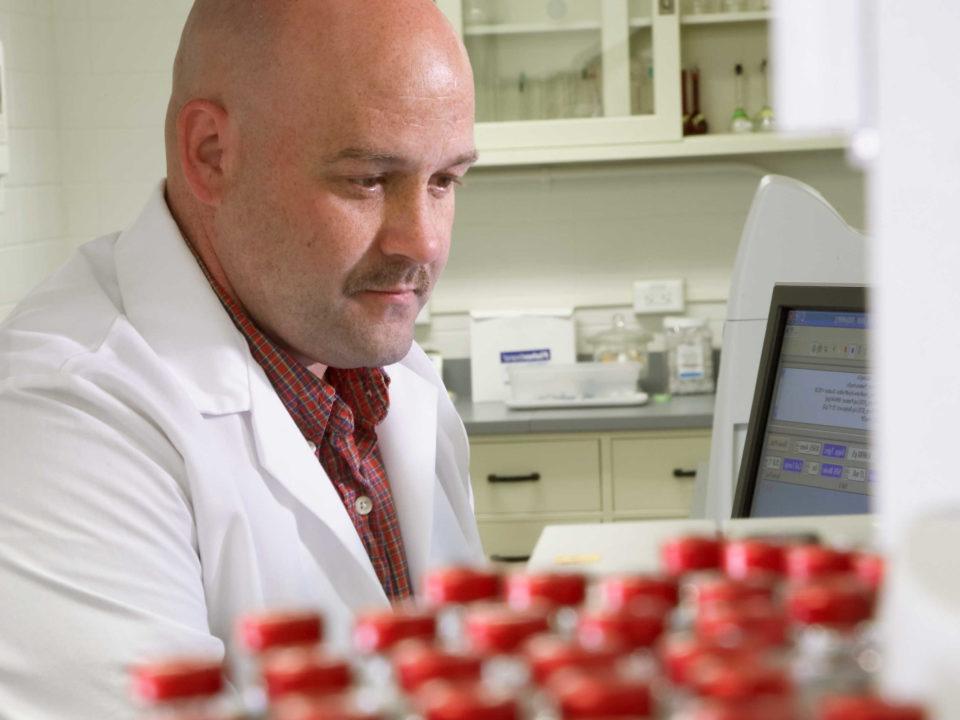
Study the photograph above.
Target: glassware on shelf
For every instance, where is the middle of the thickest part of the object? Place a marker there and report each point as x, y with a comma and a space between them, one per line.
733, 6
764, 120
698, 121
740, 122
700, 7
684, 95
556, 9
477, 12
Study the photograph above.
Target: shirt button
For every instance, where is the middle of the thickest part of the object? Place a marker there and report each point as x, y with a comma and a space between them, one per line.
312, 446
363, 505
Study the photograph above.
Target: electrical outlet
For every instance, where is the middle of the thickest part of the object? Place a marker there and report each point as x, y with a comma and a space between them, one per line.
655, 297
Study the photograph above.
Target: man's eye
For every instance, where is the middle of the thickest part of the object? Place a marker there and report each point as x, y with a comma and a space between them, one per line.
445, 182
368, 183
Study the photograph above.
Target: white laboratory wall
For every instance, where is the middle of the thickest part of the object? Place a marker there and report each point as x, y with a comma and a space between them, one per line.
524, 238
32, 224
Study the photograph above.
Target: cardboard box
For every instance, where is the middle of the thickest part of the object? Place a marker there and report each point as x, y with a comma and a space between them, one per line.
499, 340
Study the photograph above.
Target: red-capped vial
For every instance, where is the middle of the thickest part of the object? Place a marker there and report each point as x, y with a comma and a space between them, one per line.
378, 631
451, 591
691, 553
617, 591
562, 592
262, 632
680, 654
498, 633
743, 558
305, 671
637, 626
186, 689
805, 562
869, 567
466, 701
867, 707
580, 695
768, 708
757, 621
834, 649
547, 655
741, 682
710, 590
333, 707
417, 663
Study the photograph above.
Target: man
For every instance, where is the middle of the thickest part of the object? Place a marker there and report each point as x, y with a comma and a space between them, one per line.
221, 410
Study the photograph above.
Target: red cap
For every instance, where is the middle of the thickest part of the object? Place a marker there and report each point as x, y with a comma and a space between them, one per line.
810, 561
548, 654
869, 567
494, 629
177, 679
461, 585
693, 552
740, 681
840, 601
465, 701
720, 589
637, 626
757, 621
526, 589
327, 708
867, 708
681, 654
621, 590
742, 558
416, 663
768, 708
592, 695
380, 630
267, 631
305, 671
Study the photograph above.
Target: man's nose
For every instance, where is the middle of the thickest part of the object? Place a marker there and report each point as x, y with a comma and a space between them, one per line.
415, 227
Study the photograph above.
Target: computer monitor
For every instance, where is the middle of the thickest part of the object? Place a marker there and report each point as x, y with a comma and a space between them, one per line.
807, 449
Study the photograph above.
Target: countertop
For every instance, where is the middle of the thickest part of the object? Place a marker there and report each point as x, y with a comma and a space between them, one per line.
680, 412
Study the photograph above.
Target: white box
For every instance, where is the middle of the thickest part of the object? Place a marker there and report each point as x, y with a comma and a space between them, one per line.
499, 340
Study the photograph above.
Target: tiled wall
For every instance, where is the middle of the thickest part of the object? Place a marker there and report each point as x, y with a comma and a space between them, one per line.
567, 236
32, 223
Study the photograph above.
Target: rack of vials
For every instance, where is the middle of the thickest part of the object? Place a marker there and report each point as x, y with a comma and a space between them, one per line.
747, 629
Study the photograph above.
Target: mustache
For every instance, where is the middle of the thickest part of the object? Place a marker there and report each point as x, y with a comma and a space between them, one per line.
387, 276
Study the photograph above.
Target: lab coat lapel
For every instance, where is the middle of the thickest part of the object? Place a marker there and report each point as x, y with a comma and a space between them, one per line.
284, 453
407, 439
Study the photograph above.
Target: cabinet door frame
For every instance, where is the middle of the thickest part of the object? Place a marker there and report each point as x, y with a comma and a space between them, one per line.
515, 137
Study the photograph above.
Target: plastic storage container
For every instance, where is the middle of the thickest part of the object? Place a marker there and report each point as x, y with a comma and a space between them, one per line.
622, 343
689, 355
560, 385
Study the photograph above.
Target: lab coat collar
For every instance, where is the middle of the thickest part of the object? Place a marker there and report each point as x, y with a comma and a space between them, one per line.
169, 301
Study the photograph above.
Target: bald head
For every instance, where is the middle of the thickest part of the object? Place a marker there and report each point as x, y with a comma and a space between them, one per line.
313, 150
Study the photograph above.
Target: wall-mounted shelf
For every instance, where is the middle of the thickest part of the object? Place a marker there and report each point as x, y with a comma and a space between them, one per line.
530, 28
725, 18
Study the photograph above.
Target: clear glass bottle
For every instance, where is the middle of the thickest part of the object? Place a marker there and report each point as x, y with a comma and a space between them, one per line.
740, 122
451, 591
622, 343
183, 689
498, 633
689, 355
637, 627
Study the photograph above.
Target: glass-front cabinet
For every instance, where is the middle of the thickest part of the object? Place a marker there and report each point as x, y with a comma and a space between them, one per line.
578, 80
570, 74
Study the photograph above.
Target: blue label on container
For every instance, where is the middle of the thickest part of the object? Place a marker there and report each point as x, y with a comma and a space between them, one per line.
793, 465
831, 471
523, 356
834, 451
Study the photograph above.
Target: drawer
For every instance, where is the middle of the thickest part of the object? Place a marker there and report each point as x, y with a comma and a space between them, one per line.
567, 476
643, 472
515, 539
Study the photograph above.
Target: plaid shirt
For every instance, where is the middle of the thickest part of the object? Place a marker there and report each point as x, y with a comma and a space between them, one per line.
338, 416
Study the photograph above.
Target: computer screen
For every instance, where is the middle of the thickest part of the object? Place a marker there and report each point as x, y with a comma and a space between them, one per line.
807, 450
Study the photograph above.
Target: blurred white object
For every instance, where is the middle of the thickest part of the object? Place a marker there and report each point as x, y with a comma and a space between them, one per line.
4, 134
791, 235
575, 384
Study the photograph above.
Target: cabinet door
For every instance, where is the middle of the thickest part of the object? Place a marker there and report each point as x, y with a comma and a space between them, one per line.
653, 474
563, 73
543, 476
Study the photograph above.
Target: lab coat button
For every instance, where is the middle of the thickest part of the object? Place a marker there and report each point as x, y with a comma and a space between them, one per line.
363, 505
312, 446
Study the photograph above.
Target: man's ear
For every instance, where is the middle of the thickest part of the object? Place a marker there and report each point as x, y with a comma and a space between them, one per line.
204, 145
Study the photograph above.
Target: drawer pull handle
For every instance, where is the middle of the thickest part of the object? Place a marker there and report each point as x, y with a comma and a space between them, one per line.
681, 473
532, 477
510, 558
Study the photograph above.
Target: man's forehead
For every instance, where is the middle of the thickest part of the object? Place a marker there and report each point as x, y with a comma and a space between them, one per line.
389, 159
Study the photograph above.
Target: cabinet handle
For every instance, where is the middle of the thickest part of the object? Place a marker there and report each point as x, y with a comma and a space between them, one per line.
532, 477
681, 473
510, 558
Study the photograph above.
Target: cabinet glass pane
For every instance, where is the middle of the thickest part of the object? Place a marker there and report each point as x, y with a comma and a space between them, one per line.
535, 59
641, 58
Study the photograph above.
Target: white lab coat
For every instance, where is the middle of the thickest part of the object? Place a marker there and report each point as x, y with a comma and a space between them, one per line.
153, 486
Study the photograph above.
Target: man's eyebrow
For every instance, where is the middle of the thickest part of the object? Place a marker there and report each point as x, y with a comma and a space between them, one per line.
390, 160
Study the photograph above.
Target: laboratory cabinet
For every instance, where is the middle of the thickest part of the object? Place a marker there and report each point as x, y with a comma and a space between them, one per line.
588, 80
522, 483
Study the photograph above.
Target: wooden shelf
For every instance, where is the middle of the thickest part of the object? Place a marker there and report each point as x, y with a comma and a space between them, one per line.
530, 28
698, 146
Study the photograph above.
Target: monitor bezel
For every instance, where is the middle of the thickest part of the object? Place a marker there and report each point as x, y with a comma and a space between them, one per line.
785, 297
